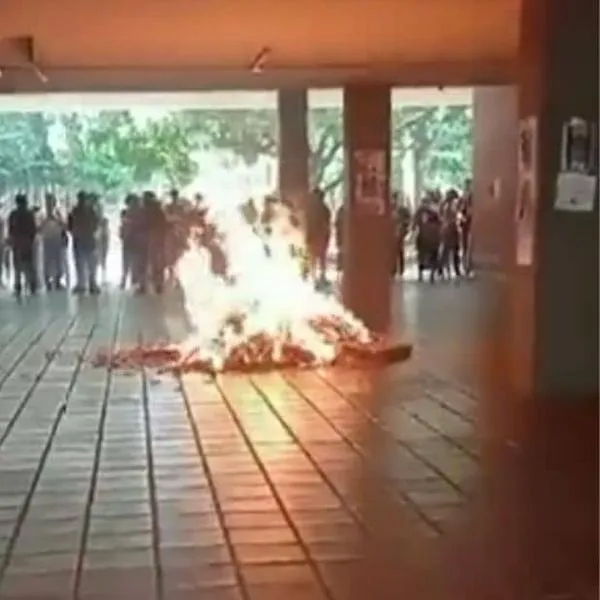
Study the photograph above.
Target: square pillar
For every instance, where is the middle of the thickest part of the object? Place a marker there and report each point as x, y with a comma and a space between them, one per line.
495, 129
554, 296
292, 105
368, 245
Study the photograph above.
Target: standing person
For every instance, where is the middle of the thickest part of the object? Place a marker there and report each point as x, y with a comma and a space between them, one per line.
151, 258
340, 234
53, 234
22, 231
318, 232
427, 225
128, 237
176, 234
450, 240
103, 246
465, 218
83, 224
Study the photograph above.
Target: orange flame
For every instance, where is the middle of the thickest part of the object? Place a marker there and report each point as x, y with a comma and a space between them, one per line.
256, 309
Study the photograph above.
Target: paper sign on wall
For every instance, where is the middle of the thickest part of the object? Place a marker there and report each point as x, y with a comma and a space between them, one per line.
577, 181
370, 183
575, 192
527, 190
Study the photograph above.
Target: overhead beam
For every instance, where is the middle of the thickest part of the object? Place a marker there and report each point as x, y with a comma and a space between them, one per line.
98, 79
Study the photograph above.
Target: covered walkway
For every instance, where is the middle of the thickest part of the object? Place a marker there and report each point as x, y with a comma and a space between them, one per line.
302, 485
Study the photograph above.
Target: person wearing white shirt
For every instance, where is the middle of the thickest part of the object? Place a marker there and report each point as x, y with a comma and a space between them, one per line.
53, 234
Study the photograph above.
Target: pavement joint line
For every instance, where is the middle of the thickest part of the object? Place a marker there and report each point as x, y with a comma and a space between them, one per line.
237, 568
11, 338
49, 358
313, 461
83, 539
312, 562
435, 398
395, 491
60, 412
447, 438
389, 433
158, 571
32, 342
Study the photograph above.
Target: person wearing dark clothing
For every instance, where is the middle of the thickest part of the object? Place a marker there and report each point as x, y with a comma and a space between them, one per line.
3, 247
250, 212
465, 217
83, 224
450, 243
427, 225
318, 231
151, 250
128, 239
340, 225
22, 230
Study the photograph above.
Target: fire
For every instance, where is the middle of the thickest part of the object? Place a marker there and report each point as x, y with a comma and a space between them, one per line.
247, 302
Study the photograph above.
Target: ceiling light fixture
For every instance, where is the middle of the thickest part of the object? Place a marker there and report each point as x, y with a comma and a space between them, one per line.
260, 60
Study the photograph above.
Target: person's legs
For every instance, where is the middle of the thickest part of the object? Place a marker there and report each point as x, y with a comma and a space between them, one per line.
158, 273
92, 270
456, 261
400, 259
59, 268
2, 269
80, 266
17, 271
433, 263
49, 263
125, 265
442, 262
141, 268
465, 251
31, 272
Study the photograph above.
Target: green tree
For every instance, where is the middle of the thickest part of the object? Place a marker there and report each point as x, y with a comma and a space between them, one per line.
112, 152
440, 137
27, 160
251, 133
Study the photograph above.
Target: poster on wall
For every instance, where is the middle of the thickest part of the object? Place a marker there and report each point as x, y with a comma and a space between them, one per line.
526, 190
577, 181
370, 184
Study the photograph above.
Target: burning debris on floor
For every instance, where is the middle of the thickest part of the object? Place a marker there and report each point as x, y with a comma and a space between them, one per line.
257, 354
251, 305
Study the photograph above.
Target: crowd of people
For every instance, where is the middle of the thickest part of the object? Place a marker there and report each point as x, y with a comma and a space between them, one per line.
30, 232
154, 235
441, 228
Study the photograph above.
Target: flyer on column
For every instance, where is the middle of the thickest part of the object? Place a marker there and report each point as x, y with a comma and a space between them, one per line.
527, 190
370, 181
578, 178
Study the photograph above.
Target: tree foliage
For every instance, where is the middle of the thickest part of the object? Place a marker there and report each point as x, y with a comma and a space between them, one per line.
107, 151
26, 156
113, 151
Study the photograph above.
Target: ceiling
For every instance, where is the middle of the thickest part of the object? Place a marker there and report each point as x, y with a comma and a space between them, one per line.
195, 44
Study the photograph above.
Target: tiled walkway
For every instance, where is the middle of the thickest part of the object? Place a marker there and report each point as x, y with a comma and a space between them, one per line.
323, 484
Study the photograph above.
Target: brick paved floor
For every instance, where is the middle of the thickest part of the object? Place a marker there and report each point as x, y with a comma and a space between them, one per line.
328, 484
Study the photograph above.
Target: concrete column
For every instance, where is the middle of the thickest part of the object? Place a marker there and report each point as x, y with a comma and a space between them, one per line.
293, 145
554, 301
367, 282
495, 133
